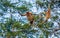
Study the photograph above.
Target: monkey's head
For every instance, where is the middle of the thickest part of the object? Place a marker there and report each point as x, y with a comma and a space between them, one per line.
28, 13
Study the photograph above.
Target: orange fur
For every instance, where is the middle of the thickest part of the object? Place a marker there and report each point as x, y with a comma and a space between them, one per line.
48, 14
30, 17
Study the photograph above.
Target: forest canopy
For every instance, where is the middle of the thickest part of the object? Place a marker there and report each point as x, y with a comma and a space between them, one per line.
41, 21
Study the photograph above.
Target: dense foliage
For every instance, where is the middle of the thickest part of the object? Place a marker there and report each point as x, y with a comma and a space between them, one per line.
13, 25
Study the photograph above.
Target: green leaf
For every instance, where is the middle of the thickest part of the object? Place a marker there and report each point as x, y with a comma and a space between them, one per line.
22, 8
55, 17
26, 26
39, 3
8, 4
16, 24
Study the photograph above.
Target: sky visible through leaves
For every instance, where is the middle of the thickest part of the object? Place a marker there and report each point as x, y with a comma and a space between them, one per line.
35, 9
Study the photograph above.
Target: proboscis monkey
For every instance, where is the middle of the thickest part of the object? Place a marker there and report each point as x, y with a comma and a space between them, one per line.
48, 14
30, 17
